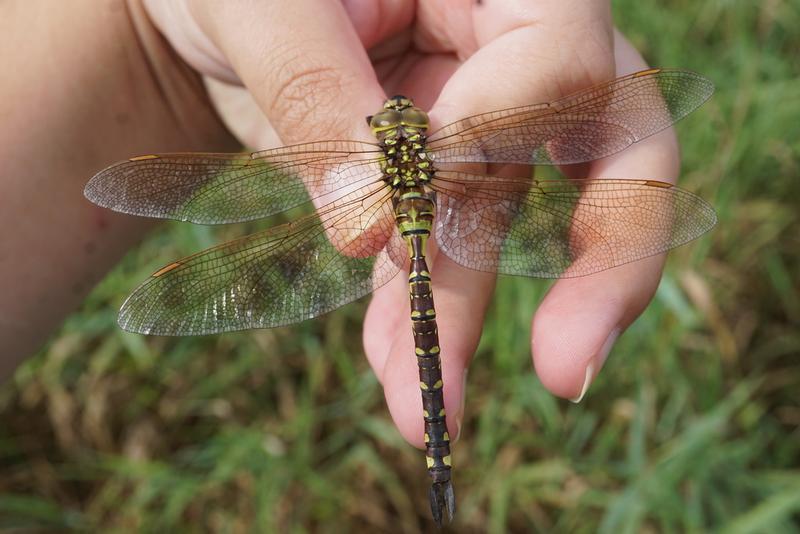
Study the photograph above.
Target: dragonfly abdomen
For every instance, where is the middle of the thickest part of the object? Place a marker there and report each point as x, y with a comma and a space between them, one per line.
414, 212
428, 352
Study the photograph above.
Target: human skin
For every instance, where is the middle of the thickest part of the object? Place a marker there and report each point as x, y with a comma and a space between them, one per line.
314, 69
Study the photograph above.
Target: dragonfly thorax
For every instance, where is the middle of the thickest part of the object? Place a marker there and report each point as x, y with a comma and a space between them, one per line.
400, 129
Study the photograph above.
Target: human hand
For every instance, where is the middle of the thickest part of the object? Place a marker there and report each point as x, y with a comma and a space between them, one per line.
307, 68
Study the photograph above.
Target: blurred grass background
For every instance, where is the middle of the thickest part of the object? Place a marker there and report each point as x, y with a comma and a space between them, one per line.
693, 426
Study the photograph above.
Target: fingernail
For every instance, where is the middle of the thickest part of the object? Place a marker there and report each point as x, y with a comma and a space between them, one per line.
596, 363
460, 414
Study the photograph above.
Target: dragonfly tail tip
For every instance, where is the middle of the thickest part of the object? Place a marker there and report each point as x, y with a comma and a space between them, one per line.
442, 498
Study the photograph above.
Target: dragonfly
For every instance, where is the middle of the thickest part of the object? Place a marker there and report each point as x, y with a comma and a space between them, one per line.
378, 204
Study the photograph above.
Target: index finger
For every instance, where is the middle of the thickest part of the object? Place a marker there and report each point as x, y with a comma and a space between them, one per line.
302, 61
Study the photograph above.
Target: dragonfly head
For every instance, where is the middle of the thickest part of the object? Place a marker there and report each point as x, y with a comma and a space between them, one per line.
398, 102
398, 111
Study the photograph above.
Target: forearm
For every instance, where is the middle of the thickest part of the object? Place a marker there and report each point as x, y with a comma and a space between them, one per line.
87, 83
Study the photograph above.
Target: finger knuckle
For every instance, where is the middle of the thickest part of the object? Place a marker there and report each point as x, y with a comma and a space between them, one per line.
304, 100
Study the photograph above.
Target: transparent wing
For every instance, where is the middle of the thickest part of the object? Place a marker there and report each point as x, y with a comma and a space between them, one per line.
226, 188
585, 126
281, 276
561, 228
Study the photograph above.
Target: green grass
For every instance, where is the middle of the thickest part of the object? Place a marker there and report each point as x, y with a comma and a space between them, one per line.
692, 426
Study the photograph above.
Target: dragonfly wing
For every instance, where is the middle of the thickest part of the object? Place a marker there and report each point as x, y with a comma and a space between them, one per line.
585, 126
226, 188
281, 276
562, 228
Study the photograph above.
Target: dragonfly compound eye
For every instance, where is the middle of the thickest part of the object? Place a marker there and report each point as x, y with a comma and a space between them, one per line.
416, 118
385, 120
